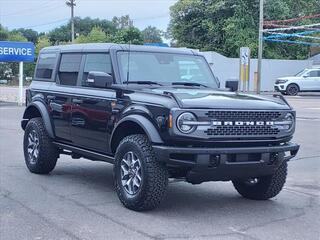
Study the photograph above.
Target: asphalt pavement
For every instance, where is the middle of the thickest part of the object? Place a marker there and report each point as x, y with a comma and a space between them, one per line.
77, 201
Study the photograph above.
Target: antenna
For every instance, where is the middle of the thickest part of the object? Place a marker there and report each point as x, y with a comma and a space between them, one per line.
128, 66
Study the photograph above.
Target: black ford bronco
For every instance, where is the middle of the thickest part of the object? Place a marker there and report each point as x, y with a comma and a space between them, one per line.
155, 113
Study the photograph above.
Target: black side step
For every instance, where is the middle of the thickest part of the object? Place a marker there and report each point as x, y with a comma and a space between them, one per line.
86, 153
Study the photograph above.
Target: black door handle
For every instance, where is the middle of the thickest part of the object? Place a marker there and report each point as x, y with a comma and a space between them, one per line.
50, 97
76, 100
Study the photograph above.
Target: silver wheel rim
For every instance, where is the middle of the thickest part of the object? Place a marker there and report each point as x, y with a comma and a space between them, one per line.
131, 177
33, 147
293, 90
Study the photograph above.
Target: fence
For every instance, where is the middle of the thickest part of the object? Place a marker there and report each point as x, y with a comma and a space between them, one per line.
228, 68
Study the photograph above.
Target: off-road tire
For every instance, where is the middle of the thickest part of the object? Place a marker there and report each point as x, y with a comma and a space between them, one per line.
48, 153
267, 187
154, 174
289, 90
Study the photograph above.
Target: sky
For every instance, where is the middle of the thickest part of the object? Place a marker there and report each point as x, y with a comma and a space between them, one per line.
44, 15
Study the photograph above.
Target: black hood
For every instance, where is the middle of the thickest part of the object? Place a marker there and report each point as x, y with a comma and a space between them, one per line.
210, 98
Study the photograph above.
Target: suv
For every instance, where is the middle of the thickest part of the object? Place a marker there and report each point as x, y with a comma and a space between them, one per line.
141, 109
307, 80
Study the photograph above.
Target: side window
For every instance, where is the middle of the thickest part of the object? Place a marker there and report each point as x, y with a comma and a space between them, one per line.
315, 73
98, 62
45, 66
69, 68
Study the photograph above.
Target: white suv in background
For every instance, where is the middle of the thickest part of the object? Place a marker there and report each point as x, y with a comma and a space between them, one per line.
308, 80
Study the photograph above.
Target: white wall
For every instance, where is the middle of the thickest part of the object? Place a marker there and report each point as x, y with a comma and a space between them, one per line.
228, 68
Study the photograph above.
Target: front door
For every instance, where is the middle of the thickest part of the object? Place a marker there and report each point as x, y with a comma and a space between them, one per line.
91, 120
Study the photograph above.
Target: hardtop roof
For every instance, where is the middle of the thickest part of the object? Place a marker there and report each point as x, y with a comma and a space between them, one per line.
105, 47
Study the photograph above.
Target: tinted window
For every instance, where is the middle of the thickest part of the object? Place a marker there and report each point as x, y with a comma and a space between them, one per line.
45, 66
69, 69
97, 62
166, 68
314, 74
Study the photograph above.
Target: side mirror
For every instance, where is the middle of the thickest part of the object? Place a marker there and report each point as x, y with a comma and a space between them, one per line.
233, 85
99, 80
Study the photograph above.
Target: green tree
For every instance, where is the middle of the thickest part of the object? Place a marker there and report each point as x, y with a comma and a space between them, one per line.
4, 33
122, 22
128, 35
151, 35
95, 36
17, 37
30, 34
43, 42
83, 27
226, 25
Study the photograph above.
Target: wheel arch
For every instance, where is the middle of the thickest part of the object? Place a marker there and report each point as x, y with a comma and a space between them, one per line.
293, 83
38, 109
133, 124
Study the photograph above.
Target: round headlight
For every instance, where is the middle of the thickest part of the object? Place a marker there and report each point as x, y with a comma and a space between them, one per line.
184, 122
289, 118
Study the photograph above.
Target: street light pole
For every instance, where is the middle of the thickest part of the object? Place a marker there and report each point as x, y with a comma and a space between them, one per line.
260, 50
72, 4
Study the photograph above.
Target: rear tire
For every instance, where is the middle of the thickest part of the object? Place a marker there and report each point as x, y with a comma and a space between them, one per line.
292, 89
264, 187
135, 160
39, 152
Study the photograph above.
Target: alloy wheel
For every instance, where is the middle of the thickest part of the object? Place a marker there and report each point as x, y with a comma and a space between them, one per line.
33, 147
131, 177
293, 90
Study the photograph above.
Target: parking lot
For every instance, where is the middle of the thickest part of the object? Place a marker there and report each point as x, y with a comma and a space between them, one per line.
77, 201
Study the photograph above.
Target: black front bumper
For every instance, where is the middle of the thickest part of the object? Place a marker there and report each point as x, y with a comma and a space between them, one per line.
223, 164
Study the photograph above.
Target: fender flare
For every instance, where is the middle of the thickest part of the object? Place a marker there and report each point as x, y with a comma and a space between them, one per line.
44, 114
144, 123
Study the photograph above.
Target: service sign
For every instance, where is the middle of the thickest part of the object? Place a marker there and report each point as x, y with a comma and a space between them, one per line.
16, 51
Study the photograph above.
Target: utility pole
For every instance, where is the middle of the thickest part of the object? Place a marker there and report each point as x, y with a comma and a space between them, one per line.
72, 4
260, 46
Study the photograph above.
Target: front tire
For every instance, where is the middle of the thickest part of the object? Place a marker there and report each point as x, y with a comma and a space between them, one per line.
292, 89
140, 180
39, 152
263, 188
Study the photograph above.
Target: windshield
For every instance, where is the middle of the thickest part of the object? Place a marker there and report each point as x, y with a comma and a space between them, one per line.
301, 73
166, 68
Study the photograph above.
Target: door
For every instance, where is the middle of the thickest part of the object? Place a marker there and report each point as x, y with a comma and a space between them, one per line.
60, 95
91, 120
315, 80
309, 81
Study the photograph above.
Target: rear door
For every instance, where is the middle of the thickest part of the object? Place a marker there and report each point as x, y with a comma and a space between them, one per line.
91, 120
61, 92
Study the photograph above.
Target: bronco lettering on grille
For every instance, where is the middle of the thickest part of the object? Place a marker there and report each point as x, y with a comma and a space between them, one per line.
242, 123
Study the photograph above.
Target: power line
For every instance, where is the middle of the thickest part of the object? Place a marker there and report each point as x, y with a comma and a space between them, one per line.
37, 11
47, 3
48, 23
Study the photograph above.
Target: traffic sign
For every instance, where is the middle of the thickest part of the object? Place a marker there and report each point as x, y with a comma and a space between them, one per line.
16, 51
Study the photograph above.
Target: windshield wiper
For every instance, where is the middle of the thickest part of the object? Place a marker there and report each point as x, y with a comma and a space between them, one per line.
144, 82
189, 84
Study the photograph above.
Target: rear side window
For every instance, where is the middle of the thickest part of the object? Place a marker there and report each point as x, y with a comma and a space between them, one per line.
45, 66
98, 62
69, 69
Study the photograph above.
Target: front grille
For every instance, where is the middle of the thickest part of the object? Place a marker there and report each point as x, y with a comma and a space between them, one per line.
242, 130
243, 115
